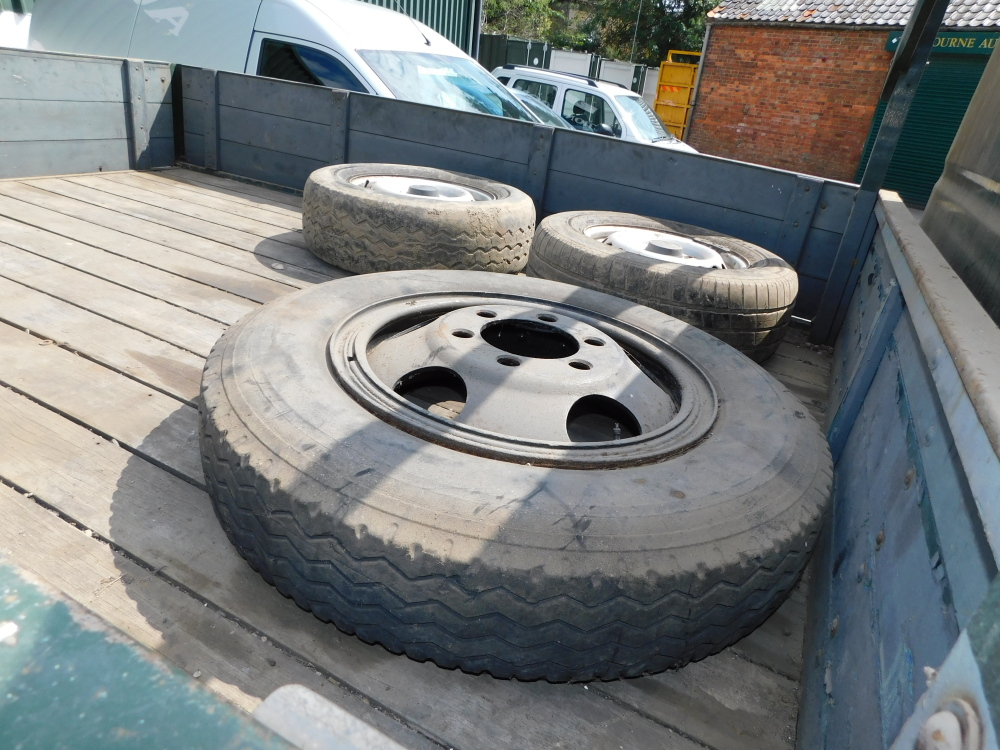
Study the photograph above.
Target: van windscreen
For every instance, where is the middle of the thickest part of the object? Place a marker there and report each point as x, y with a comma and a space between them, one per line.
443, 81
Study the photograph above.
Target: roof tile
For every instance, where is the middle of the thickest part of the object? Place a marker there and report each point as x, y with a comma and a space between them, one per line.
853, 12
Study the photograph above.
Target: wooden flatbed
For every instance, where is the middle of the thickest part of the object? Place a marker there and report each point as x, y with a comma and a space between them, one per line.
113, 288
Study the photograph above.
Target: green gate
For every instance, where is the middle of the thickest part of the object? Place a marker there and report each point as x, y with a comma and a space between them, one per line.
938, 107
457, 20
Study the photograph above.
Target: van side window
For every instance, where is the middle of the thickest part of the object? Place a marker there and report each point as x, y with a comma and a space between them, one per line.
544, 91
588, 112
503, 79
294, 62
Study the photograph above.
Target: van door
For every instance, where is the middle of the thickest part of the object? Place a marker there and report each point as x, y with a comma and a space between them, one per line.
544, 91
203, 33
274, 56
589, 112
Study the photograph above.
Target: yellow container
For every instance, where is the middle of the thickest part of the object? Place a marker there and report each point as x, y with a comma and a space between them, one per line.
674, 91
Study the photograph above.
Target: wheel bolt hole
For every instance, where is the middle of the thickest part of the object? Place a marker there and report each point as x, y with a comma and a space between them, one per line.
461, 333
486, 314
594, 342
509, 361
548, 318
579, 365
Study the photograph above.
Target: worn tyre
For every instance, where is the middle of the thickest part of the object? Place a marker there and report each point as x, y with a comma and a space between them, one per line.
392, 217
748, 306
524, 559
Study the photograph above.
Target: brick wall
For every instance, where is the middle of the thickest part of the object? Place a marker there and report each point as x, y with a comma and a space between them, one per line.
798, 98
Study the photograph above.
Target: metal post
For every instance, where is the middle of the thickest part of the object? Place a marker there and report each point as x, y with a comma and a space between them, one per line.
900, 86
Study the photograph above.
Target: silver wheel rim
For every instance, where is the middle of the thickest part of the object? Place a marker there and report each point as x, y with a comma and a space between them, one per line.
665, 246
523, 380
421, 188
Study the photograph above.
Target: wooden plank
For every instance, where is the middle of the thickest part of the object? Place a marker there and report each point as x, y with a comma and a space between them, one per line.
752, 189
777, 644
782, 366
725, 701
567, 192
30, 75
483, 136
232, 661
818, 252
155, 426
279, 133
159, 319
233, 187
262, 164
34, 158
214, 242
126, 185
155, 182
253, 94
194, 258
799, 218
148, 360
238, 232
365, 147
168, 525
38, 120
191, 295
269, 200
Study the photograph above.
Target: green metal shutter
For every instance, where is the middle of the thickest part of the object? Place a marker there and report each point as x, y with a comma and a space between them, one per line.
938, 107
452, 19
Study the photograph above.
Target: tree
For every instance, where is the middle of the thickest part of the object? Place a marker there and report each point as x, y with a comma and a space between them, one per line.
529, 19
653, 26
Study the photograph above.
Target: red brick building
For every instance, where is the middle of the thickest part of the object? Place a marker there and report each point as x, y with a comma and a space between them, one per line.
795, 84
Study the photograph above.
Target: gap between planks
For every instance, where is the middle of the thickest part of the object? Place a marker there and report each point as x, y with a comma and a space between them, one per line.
169, 526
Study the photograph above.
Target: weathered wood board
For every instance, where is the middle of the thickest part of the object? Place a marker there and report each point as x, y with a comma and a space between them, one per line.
100, 426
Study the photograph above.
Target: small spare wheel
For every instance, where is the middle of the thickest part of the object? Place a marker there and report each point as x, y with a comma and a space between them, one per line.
510, 475
393, 217
736, 291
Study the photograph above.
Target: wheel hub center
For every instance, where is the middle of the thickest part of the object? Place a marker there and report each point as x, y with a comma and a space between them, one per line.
673, 248
523, 371
414, 187
523, 380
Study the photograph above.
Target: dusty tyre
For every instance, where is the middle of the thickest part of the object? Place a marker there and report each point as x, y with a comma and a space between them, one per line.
392, 217
747, 304
618, 494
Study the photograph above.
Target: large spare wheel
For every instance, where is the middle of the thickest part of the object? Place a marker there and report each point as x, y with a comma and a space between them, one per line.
737, 291
510, 475
393, 217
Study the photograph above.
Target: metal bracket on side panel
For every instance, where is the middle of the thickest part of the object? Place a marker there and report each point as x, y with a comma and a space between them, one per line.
340, 121
864, 373
135, 95
538, 164
798, 218
211, 104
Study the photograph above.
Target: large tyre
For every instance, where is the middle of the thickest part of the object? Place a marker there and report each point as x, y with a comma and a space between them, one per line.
747, 306
518, 557
392, 217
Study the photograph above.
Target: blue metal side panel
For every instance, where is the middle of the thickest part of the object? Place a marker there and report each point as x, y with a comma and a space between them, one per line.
876, 649
868, 299
966, 559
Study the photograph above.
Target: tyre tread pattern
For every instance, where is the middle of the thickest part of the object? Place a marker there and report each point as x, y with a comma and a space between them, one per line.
749, 309
458, 621
367, 232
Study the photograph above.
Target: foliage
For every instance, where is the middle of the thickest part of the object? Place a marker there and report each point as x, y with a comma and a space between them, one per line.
529, 19
606, 27
663, 25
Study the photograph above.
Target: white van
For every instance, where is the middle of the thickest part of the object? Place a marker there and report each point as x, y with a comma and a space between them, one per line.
344, 44
592, 105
